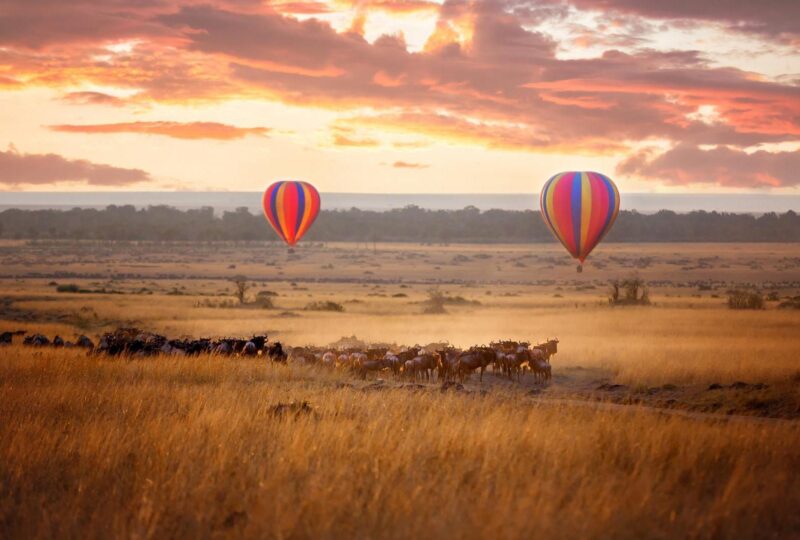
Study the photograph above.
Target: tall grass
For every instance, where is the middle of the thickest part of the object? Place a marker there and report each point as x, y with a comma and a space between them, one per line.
91, 447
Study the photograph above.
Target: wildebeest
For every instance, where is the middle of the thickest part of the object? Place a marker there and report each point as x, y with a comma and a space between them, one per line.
36, 340
539, 365
6, 338
84, 342
274, 352
472, 359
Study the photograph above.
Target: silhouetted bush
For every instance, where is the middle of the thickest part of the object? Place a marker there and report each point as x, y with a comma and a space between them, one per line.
741, 299
326, 305
628, 292
68, 288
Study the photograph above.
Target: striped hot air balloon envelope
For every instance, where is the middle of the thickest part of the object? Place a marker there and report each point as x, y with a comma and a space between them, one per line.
291, 208
579, 208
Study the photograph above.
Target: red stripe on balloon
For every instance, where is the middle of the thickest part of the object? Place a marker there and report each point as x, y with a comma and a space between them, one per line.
597, 223
562, 205
290, 204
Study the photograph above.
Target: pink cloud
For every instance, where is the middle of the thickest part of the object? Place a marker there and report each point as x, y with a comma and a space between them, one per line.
686, 165
19, 169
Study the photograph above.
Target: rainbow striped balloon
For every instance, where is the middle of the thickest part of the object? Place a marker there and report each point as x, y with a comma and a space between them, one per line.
291, 208
580, 208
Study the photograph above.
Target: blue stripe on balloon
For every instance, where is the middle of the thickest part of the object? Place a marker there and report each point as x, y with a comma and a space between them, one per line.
273, 204
301, 205
611, 203
576, 200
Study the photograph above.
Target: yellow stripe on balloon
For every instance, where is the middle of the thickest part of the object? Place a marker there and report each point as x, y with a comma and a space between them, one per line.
279, 207
586, 211
550, 209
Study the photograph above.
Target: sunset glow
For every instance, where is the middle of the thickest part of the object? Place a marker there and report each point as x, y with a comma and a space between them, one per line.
398, 95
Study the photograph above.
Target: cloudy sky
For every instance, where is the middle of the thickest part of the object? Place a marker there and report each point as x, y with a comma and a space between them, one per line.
399, 96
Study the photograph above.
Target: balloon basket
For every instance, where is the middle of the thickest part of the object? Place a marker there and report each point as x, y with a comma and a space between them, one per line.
579, 268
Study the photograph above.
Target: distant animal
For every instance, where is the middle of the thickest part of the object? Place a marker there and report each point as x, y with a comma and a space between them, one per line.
6, 338
223, 348
447, 362
472, 359
274, 352
329, 359
85, 342
539, 366
36, 340
58, 341
424, 366
249, 349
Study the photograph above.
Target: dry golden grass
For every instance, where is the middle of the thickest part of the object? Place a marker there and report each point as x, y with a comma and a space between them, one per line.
98, 448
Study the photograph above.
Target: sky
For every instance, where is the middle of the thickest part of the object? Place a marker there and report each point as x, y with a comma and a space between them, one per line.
399, 96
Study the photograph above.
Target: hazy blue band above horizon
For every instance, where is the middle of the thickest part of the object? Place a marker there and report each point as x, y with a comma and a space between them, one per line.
641, 202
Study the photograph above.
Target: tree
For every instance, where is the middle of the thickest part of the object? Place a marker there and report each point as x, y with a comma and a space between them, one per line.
241, 287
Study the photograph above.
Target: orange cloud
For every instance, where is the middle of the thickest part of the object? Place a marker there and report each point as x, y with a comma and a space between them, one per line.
408, 165
497, 136
177, 130
93, 98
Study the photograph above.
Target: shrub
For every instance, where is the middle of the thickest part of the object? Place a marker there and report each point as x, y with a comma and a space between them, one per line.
629, 292
265, 302
326, 305
435, 302
68, 288
742, 299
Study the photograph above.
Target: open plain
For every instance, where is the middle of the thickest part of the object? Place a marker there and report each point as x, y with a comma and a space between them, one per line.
673, 419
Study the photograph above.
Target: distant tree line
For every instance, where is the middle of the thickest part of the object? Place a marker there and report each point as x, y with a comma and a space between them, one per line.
409, 224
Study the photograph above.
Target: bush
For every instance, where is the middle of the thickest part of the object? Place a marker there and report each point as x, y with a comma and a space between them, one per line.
790, 303
435, 302
629, 292
324, 306
68, 288
741, 299
265, 302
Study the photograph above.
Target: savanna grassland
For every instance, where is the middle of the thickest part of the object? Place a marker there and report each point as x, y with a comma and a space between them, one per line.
674, 419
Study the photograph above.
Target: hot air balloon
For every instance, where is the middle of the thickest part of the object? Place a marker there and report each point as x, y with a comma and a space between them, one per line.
291, 207
579, 208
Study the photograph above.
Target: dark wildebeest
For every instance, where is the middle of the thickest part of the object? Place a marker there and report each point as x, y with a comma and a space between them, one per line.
6, 338
364, 364
448, 360
474, 358
58, 341
539, 365
223, 348
549, 348
275, 352
423, 366
85, 343
514, 361
393, 362
36, 340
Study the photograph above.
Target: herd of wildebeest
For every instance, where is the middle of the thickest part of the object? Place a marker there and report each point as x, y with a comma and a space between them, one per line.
433, 362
